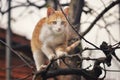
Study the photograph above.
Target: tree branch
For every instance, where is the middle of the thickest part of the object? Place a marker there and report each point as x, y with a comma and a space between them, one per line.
100, 15
88, 74
22, 57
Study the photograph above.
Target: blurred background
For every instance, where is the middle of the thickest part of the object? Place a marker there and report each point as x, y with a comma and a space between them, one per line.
19, 17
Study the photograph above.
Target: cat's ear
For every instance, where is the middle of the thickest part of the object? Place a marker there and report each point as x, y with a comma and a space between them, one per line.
66, 10
50, 11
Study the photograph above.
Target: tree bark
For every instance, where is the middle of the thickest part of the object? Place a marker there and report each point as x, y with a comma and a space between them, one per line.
76, 8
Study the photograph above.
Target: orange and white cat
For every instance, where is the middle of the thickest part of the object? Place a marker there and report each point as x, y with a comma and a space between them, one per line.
50, 38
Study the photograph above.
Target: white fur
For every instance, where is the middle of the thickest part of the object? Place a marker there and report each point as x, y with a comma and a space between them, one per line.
50, 35
58, 26
61, 53
48, 51
39, 59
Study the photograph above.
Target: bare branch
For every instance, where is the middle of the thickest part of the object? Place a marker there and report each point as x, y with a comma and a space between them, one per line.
100, 15
23, 5
18, 54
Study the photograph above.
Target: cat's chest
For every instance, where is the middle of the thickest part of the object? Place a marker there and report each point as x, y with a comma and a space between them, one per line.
56, 39
46, 37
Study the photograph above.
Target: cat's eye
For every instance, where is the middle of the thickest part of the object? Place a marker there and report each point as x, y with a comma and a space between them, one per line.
63, 22
54, 22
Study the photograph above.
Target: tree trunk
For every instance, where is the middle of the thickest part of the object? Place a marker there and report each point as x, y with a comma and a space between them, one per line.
76, 8
52, 3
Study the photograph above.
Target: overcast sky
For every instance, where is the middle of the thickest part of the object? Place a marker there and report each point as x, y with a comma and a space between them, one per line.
23, 23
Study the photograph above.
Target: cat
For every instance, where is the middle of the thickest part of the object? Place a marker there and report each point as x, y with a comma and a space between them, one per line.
50, 38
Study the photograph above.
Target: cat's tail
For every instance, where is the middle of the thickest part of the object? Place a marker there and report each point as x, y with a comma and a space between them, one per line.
72, 46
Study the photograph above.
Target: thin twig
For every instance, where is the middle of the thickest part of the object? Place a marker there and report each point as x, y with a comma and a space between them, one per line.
110, 70
100, 15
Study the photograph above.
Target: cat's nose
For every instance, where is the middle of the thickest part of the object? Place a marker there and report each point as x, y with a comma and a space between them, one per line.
59, 29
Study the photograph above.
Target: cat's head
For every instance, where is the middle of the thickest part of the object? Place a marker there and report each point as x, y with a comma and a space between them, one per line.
56, 20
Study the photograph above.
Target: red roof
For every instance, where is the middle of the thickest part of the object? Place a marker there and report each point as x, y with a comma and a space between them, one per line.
19, 68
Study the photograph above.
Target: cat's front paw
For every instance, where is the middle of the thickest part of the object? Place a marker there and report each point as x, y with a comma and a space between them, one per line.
51, 57
42, 67
61, 53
